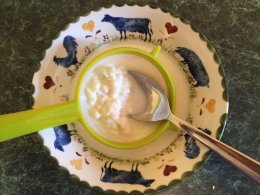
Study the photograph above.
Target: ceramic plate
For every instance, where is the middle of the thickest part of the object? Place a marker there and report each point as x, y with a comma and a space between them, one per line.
200, 89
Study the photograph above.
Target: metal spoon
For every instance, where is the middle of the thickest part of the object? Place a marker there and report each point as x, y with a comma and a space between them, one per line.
158, 109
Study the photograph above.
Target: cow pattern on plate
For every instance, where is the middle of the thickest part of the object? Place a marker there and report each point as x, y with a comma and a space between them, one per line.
194, 69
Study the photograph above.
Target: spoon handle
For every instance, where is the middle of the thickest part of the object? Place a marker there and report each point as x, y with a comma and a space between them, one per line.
246, 164
22, 123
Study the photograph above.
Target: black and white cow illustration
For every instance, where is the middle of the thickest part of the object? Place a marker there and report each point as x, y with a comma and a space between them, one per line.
191, 149
141, 25
195, 66
112, 175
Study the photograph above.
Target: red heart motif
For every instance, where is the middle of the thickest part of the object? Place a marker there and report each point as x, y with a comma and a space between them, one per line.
170, 28
169, 169
48, 82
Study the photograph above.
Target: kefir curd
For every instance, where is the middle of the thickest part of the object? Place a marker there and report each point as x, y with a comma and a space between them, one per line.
107, 94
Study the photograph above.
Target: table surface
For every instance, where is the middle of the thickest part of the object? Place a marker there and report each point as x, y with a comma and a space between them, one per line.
26, 31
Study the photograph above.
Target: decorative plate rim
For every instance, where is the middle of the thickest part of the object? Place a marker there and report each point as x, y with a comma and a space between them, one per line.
219, 132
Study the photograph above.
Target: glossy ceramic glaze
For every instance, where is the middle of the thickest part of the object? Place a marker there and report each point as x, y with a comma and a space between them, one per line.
195, 70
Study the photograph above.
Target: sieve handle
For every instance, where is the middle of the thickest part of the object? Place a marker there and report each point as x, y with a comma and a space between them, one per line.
22, 123
156, 51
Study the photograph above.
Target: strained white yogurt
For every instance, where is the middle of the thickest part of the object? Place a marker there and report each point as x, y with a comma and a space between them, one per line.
108, 96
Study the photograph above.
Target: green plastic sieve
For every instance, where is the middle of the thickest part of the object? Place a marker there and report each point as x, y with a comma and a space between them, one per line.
21, 123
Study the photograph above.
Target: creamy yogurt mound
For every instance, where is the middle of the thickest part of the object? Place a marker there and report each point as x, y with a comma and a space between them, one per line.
107, 93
